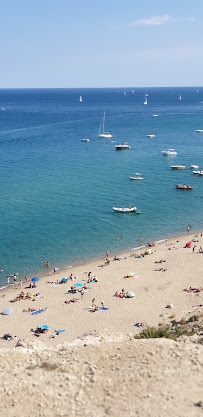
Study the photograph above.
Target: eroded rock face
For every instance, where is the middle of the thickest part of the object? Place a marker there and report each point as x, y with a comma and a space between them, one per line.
111, 377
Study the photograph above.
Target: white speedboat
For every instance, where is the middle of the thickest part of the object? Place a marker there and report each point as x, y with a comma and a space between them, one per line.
138, 177
196, 172
194, 166
104, 134
155, 115
199, 131
151, 136
178, 167
126, 210
85, 140
169, 152
123, 145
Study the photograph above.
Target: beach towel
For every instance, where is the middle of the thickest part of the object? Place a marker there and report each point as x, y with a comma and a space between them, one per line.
104, 308
39, 311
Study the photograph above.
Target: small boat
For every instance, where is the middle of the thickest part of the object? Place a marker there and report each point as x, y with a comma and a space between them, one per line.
104, 134
123, 145
194, 166
196, 172
180, 98
85, 140
145, 102
136, 178
199, 131
155, 115
80, 99
125, 94
184, 187
133, 91
126, 210
169, 152
151, 136
178, 167
3, 108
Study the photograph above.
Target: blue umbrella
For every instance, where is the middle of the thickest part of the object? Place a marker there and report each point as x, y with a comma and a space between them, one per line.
43, 327
35, 279
78, 285
64, 279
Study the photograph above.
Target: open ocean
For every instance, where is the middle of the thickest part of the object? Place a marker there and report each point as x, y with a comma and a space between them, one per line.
57, 192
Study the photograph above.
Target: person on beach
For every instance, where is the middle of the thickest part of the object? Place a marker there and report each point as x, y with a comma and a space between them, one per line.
190, 225
54, 269
181, 228
8, 280
93, 303
141, 241
82, 292
107, 254
47, 264
188, 229
25, 278
89, 273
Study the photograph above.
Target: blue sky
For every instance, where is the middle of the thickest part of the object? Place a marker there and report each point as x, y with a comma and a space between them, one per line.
114, 43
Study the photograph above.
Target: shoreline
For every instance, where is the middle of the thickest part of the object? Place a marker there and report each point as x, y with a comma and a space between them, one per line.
63, 268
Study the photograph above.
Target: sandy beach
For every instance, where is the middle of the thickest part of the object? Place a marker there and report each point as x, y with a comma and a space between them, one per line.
153, 290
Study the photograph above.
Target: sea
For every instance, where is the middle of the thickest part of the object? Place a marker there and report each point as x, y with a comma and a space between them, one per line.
57, 192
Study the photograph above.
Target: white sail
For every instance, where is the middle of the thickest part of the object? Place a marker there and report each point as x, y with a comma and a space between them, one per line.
102, 127
80, 99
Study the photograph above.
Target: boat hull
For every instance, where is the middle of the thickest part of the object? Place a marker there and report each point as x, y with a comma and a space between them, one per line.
105, 135
126, 210
178, 167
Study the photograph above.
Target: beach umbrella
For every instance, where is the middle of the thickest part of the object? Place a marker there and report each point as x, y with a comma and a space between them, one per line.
188, 244
64, 279
43, 326
7, 310
78, 285
130, 294
35, 279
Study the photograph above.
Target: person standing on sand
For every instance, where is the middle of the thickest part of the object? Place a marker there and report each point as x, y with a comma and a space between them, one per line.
54, 269
8, 280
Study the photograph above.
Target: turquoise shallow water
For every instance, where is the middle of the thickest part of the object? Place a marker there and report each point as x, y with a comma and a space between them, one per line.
57, 192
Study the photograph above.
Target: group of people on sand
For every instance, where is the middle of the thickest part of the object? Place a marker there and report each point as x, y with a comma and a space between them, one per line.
23, 296
122, 294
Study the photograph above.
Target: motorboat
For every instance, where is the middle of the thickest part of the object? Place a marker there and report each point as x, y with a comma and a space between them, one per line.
151, 136
198, 172
138, 177
184, 187
194, 166
199, 131
85, 140
155, 115
126, 210
123, 145
169, 152
178, 167
104, 134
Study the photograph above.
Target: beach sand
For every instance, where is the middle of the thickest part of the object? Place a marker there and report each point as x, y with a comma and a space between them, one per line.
153, 290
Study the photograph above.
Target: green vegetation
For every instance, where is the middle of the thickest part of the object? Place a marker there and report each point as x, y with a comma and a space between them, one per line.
166, 332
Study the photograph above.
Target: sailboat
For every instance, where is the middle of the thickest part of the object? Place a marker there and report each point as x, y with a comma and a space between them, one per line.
180, 98
80, 99
145, 102
104, 134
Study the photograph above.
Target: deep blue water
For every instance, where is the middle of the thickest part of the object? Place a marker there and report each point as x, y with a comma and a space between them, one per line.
57, 192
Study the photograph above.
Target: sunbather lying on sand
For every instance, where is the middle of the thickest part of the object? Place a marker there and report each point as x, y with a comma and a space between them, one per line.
161, 269
190, 289
73, 300
159, 262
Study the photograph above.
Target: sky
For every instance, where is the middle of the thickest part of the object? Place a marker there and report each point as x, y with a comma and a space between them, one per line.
108, 43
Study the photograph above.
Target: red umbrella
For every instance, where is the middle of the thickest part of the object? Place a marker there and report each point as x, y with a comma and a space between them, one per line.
188, 244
